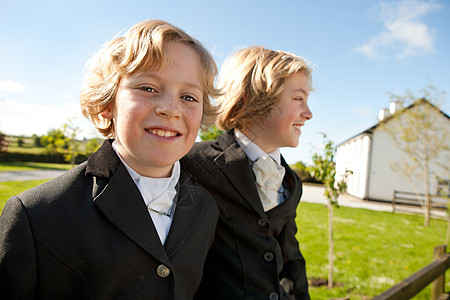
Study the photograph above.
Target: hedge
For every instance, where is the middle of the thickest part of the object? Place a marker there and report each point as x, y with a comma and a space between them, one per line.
35, 157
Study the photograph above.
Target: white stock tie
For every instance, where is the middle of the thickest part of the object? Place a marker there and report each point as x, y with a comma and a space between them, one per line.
269, 176
160, 206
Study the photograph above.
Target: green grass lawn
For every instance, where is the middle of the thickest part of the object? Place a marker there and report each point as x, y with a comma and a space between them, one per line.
19, 166
10, 188
373, 250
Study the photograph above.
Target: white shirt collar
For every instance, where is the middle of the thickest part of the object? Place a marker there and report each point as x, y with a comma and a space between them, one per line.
158, 195
252, 150
158, 184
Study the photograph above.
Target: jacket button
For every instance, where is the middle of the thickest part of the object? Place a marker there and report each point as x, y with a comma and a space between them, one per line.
273, 296
268, 256
262, 223
162, 271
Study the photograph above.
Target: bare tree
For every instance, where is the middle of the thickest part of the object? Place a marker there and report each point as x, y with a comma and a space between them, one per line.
422, 131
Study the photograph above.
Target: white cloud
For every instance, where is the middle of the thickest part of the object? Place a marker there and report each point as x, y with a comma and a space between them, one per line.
404, 31
11, 86
18, 118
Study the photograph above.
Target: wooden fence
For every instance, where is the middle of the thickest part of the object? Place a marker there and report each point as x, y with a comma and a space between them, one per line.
416, 199
434, 272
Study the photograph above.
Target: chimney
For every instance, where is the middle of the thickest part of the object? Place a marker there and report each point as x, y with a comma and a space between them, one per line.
394, 107
383, 114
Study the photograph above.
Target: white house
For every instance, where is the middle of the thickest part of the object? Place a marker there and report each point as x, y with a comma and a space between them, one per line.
371, 154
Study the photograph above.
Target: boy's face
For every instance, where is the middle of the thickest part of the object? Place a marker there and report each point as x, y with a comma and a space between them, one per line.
157, 114
282, 127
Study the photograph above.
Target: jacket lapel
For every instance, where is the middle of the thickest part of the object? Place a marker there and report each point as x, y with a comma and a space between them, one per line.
295, 185
235, 165
121, 202
188, 212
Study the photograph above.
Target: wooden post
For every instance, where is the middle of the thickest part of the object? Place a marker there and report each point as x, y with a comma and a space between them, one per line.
393, 201
437, 287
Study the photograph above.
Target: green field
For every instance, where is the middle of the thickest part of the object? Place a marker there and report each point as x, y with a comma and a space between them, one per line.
6, 166
373, 250
10, 188
29, 147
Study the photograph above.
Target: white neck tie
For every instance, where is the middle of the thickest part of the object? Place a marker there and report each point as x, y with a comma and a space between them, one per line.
160, 206
269, 176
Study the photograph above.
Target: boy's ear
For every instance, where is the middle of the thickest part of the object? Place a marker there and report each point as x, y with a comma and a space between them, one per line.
107, 113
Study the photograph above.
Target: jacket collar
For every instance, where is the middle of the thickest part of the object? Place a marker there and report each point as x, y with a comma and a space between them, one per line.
117, 196
104, 162
190, 207
235, 165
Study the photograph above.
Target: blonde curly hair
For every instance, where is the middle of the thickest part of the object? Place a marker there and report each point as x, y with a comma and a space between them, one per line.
252, 80
141, 47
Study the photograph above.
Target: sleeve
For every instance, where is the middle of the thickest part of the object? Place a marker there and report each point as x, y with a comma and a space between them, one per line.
293, 277
18, 271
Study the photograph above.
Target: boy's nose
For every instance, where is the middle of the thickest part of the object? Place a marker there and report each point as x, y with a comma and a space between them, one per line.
307, 113
169, 107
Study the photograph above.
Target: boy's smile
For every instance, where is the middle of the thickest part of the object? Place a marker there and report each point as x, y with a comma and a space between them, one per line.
298, 126
157, 113
162, 132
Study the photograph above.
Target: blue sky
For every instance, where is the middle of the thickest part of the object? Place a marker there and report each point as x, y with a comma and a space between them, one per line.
361, 50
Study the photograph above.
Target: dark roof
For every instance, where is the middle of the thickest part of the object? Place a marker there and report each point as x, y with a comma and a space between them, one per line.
371, 129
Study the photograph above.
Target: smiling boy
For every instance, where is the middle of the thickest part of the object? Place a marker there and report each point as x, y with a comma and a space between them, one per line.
130, 223
157, 113
255, 254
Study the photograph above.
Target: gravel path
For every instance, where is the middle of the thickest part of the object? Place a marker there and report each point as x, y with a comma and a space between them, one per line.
29, 175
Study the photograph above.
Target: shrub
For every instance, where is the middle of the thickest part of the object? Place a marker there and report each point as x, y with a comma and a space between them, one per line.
303, 172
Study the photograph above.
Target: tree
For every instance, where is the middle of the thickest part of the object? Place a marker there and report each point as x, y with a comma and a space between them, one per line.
63, 141
418, 132
3, 143
55, 141
303, 171
36, 140
91, 146
20, 142
73, 144
324, 169
210, 133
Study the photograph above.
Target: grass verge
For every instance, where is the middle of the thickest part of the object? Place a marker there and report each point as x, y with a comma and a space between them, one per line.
24, 166
10, 188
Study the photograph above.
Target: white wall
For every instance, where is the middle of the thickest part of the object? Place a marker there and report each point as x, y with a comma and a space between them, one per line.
353, 156
382, 179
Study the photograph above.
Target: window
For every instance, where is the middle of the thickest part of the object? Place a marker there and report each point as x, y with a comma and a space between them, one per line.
443, 188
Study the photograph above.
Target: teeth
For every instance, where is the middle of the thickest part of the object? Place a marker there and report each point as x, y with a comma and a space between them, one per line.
163, 133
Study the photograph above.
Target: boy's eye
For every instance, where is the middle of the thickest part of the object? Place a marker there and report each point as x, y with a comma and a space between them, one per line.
147, 89
189, 98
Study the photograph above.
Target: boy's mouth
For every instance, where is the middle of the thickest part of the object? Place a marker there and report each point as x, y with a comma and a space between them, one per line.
298, 126
162, 132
